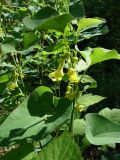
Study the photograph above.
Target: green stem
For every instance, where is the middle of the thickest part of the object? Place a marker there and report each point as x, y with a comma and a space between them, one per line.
72, 117
59, 89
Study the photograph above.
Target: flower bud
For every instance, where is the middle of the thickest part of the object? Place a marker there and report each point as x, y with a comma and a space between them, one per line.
12, 85
80, 108
70, 96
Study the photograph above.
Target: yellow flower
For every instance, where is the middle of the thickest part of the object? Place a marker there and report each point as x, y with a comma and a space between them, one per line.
57, 75
73, 75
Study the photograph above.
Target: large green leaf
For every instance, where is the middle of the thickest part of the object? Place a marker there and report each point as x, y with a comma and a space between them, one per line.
30, 39
8, 48
77, 10
100, 54
111, 114
48, 18
40, 17
61, 148
89, 99
101, 131
41, 102
21, 125
24, 152
57, 23
95, 55
86, 23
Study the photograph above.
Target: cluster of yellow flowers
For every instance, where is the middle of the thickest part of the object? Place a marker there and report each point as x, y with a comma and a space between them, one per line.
72, 75
58, 74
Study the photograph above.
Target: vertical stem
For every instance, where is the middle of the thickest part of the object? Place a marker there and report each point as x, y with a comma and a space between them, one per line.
59, 89
72, 117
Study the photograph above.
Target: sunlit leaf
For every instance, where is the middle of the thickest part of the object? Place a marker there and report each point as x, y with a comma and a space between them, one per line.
20, 125
86, 23
4, 78
89, 99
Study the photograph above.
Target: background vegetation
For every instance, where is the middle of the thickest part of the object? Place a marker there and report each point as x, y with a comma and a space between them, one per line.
40, 66
107, 74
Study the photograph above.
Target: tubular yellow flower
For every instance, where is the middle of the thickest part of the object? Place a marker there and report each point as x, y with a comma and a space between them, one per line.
57, 75
73, 75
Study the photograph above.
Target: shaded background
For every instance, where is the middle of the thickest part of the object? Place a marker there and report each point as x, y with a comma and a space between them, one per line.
107, 73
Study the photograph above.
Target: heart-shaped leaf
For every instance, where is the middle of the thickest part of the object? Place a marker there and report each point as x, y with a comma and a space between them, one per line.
48, 18
61, 148
95, 55
23, 125
101, 131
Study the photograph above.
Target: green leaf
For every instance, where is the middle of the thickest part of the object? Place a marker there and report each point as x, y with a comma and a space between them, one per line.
24, 152
4, 78
101, 131
89, 99
79, 126
30, 39
20, 125
54, 49
41, 102
57, 23
30, 23
77, 10
95, 55
87, 79
8, 48
86, 23
111, 114
46, 13
82, 65
48, 18
61, 148
92, 32
100, 54
40, 17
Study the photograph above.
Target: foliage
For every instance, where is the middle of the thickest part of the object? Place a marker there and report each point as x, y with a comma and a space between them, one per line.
44, 81
108, 84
